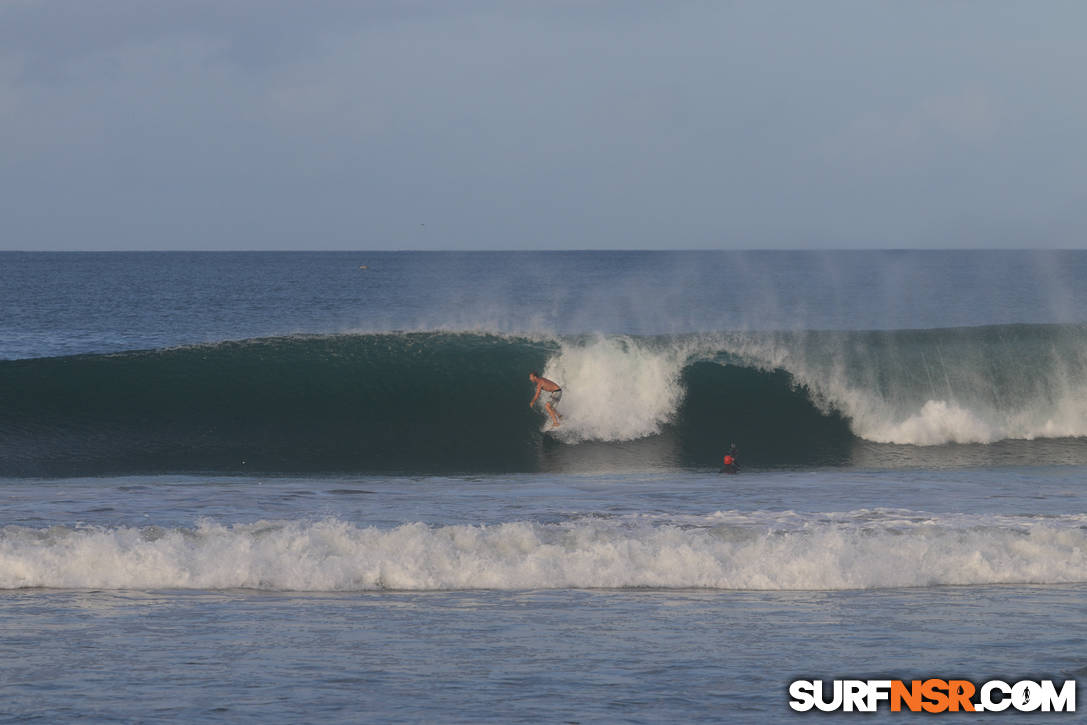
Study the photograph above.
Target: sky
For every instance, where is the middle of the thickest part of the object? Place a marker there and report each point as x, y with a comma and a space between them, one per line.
275, 124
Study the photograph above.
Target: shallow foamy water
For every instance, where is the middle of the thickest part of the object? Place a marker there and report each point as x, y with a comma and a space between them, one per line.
640, 597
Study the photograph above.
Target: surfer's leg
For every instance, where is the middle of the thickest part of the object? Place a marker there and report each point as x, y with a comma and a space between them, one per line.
553, 414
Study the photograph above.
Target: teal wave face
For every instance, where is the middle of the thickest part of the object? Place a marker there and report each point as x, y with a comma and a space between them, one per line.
438, 402
375, 402
765, 412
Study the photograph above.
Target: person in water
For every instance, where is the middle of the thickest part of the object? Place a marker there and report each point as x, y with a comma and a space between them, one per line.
549, 386
732, 461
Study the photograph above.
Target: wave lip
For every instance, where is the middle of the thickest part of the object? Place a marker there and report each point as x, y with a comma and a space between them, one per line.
452, 402
852, 550
622, 388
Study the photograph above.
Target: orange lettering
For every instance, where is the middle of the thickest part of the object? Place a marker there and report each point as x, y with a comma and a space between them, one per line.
912, 695
934, 690
959, 694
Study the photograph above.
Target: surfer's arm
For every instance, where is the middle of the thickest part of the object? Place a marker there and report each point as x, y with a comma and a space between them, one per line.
533, 401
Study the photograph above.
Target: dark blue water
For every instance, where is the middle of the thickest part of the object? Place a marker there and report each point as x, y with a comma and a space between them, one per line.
415, 363
68, 303
308, 487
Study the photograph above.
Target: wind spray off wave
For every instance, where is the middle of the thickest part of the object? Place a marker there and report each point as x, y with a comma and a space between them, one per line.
456, 402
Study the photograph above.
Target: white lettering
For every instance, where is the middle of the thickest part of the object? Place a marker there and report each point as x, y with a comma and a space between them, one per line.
1065, 701
988, 704
878, 690
803, 694
836, 700
1026, 696
854, 695
992, 696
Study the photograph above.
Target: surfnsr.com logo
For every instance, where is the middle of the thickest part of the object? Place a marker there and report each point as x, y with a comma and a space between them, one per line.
932, 695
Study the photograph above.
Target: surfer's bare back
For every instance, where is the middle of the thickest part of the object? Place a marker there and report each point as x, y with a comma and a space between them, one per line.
551, 387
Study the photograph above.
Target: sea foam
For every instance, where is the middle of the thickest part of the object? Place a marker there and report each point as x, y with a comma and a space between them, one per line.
909, 387
616, 388
726, 550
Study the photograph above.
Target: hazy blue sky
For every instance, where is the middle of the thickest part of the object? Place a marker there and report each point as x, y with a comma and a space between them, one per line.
266, 124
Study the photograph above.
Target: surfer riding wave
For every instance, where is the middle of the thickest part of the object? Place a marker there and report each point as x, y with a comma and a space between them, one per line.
552, 387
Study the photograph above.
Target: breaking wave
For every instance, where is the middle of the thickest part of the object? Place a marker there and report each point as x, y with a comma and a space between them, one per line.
457, 402
728, 550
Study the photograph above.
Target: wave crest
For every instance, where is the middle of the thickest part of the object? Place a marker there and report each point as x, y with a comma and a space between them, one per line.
728, 550
456, 402
620, 389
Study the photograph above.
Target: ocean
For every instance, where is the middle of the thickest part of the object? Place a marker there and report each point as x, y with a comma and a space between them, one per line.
308, 487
